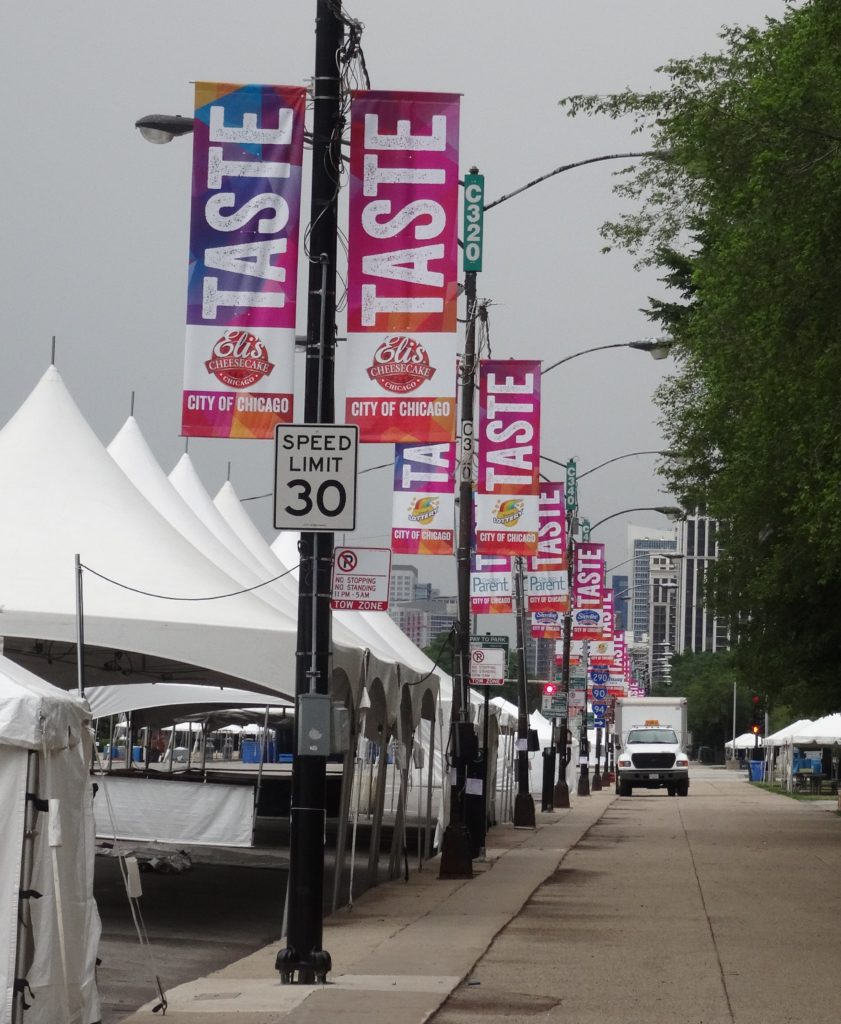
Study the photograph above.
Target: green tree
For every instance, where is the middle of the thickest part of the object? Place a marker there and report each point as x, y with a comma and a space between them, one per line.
442, 651
739, 205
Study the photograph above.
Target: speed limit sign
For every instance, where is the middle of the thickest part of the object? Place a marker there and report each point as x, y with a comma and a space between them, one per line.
315, 477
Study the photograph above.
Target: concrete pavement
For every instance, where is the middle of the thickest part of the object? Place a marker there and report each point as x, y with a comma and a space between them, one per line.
662, 910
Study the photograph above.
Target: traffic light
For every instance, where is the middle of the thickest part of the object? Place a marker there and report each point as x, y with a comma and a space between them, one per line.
550, 689
756, 720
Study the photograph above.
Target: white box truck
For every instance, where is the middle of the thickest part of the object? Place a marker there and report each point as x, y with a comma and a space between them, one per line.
652, 737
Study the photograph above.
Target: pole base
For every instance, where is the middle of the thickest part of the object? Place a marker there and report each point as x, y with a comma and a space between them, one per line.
524, 811
456, 861
583, 785
560, 795
597, 783
303, 971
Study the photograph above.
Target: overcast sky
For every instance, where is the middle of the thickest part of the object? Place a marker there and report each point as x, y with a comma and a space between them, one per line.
95, 220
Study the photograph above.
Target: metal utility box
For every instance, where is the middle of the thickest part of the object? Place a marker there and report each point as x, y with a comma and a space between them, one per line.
315, 719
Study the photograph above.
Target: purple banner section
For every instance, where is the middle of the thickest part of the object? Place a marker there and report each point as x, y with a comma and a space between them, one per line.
423, 521
241, 291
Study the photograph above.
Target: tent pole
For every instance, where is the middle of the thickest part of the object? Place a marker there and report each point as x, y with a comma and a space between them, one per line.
204, 751
344, 811
361, 744
379, 807
26, 861
111, 746
427, 843
80, 630
263, 747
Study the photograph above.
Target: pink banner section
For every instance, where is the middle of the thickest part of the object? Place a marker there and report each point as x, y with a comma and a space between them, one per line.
508, 483
587, 591
546, 581
601, 651
243, 275
423, 519
491, 585
403, 266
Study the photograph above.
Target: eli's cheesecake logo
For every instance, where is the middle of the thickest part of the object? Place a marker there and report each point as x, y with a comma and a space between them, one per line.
423, 510
239, 359
401, 364
509, 511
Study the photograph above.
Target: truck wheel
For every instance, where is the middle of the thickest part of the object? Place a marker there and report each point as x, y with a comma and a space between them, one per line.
683, 789
624, 789
672, 790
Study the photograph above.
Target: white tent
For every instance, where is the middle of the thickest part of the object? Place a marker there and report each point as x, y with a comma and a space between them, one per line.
781, 736
747, 741
63, 495
45, 749
823, 732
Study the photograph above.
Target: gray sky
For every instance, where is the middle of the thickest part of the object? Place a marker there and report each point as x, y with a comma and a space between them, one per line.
95, 220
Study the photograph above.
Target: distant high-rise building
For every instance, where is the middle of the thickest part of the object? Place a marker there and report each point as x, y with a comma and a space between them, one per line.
621, 602
641, 542
697, 628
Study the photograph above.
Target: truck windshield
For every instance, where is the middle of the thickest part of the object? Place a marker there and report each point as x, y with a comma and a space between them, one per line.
652, 736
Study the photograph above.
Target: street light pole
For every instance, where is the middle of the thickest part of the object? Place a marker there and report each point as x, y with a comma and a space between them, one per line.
303, 959
524, 802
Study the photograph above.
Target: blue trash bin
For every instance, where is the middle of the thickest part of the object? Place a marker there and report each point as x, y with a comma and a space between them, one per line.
757, 771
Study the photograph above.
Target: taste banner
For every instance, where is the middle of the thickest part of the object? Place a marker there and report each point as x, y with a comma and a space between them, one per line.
423, 518
588, 591
243, 274
508, 482
402, 283
546, 580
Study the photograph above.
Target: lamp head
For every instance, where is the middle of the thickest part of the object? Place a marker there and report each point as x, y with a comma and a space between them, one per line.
657, 348
162, 128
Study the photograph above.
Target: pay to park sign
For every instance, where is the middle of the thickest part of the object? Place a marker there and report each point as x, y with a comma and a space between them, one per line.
360, 579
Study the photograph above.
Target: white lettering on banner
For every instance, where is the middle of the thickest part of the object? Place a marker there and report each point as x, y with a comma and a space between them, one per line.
588, 580
427, 218
516, 464
435, 456
251, 259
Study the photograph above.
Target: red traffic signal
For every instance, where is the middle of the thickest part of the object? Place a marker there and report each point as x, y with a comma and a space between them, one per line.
550, 689
756, 698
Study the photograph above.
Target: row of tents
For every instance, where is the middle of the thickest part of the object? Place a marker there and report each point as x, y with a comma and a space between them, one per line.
181, 593
823, 732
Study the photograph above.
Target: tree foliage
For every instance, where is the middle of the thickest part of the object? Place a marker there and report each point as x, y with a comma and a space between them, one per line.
739, 204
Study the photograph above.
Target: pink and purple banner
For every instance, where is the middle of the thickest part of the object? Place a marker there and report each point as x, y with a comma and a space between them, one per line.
601, 651
403, 266
546, 581
243, 274
588, 591
423, 519
508, 484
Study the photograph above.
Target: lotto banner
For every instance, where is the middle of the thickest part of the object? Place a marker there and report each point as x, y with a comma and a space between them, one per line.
403, 266
243, 275
423, 521
546, 581
601, 651
491, 586
508, 485
588, 591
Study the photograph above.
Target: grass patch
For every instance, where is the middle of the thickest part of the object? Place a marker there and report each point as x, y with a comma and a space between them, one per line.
770, 788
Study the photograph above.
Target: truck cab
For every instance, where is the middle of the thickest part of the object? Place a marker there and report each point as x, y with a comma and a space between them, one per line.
652, 758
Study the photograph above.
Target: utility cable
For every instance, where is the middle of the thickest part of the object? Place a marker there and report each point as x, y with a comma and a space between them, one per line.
170, 597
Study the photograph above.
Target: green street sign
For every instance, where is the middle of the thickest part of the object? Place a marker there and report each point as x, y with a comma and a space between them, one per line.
474, 217
487, 640
585, 529
571, 488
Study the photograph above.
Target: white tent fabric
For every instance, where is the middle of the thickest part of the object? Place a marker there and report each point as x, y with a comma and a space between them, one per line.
54, 725
747, 741
823, 732
62, 495
781, 736
124, 697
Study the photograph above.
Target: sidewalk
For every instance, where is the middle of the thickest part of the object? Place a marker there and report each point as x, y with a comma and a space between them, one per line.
403, 948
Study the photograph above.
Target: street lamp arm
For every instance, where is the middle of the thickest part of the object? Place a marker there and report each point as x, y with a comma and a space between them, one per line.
665, 510
617, 458
658, 348
567, 167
